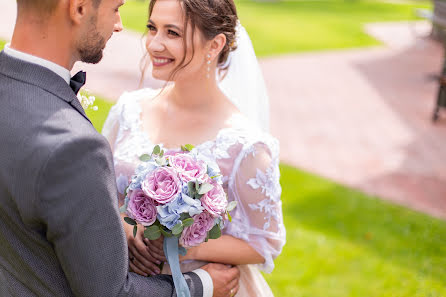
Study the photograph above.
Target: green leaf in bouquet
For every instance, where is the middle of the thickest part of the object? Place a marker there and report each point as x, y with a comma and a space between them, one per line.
187, 147
182, 251
130, 221
156, 150
215, 232
145, 158
166, 233
198, 196
205, 188
215, 176
229, 216
231, 206
135, 228
153, 232
206, 239
177, 229
162, 153
191, 188
188, 222
184, 216
197, 186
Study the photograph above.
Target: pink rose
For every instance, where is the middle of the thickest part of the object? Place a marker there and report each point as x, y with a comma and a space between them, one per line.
141, 208
188, 168
162, 185
215, 200
197, 232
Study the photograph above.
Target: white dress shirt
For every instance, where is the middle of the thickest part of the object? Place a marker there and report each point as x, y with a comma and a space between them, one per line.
59, 70
206, 280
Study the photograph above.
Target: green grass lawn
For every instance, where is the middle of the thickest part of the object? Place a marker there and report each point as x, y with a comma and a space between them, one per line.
288, 26
343, 243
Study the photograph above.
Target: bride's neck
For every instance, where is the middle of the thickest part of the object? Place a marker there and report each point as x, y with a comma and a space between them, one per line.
195, 94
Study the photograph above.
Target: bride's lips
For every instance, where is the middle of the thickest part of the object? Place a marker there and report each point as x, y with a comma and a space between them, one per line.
161, 61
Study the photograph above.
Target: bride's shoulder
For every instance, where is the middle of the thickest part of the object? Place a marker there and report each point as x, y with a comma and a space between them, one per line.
252, 136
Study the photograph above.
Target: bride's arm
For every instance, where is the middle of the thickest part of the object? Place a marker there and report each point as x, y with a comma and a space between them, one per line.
256, 234
227, 250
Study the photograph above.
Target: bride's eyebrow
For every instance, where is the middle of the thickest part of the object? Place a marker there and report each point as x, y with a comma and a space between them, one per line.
168, 26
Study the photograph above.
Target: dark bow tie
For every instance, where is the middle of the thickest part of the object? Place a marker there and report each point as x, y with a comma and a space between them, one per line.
78, 81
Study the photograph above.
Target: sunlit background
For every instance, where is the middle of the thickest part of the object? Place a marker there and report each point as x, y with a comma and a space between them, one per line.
352, 85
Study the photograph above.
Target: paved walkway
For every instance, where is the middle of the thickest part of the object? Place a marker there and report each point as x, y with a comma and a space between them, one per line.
360, 117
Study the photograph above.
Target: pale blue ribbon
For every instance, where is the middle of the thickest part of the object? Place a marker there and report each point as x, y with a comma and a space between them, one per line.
171, 251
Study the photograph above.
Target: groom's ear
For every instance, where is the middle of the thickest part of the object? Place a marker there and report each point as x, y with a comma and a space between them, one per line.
79, 10
217, 44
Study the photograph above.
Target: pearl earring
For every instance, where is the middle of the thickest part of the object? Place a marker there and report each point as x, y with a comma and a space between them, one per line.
209, 66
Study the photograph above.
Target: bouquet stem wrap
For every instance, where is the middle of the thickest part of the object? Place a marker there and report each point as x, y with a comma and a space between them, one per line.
171, 251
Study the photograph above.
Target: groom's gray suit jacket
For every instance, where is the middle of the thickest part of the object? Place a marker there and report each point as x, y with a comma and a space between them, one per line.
60, 230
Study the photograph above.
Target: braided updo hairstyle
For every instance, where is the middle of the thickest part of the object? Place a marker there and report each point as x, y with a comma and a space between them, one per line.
211, 18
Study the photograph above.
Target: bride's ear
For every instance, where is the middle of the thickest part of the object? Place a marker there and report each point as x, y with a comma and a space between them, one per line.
217, 45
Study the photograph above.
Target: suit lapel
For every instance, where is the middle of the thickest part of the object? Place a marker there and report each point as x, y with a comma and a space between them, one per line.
41, 77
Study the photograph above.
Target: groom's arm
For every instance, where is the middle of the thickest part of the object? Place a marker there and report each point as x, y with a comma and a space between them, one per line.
76, 199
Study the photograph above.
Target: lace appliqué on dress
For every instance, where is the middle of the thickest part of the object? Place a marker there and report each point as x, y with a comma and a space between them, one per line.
269, 184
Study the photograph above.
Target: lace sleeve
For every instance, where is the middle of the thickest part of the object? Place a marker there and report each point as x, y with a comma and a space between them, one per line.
256, 188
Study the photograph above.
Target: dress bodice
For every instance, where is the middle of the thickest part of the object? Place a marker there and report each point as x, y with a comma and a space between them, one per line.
248, 159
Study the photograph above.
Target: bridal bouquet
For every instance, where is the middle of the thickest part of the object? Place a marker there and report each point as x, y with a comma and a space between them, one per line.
178, 195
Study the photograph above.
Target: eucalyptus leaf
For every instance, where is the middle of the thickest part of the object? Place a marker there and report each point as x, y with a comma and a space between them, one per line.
205, 188
215, 232
177, 229
189, 147
156, 150
165, 232
197, 186
231, 205
135, 228
153, 232
184, 216
188, 222
191, 188
145, 158
130, 221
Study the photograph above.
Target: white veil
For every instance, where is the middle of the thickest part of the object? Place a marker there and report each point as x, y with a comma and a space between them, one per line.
244, 84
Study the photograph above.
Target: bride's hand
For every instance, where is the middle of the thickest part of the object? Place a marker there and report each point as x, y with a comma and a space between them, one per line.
155, 248
141, 259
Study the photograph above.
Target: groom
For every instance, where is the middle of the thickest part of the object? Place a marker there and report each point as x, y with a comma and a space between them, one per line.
60, 230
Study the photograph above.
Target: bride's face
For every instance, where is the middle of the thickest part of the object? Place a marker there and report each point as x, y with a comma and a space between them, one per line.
165, 44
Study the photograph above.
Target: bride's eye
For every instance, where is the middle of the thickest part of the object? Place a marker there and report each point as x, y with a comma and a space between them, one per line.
173, 33
151, 27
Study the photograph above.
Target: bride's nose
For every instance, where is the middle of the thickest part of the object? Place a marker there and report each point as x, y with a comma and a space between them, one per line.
155, 43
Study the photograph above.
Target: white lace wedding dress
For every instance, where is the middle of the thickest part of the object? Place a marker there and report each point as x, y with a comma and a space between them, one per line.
249, 161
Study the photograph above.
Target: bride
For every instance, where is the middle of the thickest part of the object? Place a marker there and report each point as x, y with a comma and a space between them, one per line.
215, 100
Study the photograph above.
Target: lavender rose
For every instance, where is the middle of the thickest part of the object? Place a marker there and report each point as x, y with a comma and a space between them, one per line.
162, 184
141, 208
188, 168
197, 232
215, 201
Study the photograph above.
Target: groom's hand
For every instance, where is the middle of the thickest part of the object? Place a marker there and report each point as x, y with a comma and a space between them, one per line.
225, 279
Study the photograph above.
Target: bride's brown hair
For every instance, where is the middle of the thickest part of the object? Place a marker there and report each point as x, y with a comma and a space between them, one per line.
210, 17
